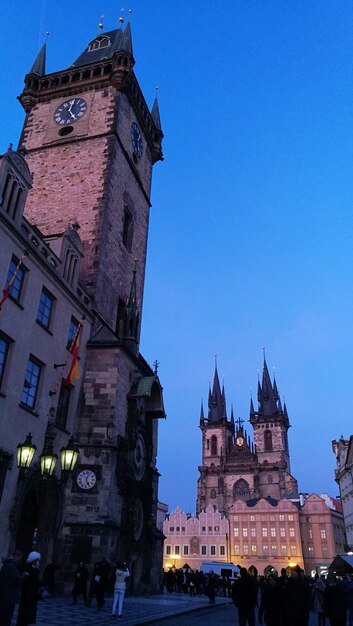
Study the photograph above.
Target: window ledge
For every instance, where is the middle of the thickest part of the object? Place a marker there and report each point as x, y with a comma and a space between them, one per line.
10, 297
44, 327
28, 409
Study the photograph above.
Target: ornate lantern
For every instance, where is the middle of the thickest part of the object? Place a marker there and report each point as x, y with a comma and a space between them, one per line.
25, 453
69, 455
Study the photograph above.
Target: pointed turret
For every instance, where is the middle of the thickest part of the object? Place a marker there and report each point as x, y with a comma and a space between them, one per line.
252, 410
216, 405
285, 414
126, 42
275, 390
268, 404
38, 66
156, 115
202, 415
132, 317
224, 407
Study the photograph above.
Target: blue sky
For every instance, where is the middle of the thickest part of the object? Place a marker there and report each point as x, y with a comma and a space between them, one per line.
251, 228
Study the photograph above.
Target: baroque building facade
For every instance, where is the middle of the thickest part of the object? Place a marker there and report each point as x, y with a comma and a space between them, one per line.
88, 146
343, 451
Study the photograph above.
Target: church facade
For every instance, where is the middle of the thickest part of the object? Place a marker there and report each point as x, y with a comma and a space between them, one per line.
90, 142
235, 467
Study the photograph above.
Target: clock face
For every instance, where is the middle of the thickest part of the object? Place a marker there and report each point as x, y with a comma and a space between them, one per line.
86, 479
239, 441
139, 457
136, 140
70, 111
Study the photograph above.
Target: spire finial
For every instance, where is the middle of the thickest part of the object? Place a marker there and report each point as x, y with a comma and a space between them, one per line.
215, 361
121, 19
130, 13
47, 35
264, 351
101, 25
157, 91
156, 365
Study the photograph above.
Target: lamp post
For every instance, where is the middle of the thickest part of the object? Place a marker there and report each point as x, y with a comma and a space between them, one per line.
48, 458
25, 453
68, 457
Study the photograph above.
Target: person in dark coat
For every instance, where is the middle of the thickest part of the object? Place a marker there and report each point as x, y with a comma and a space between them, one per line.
297, 600
27, 612
80, 584
244, 594
335, 601
97, 585
10, 587
49, 578
271, 607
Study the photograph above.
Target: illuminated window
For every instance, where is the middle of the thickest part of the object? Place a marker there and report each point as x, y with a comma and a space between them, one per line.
265, 550
283, 549
246, 549
245, 532
323, 533
253, 548
236, 531
264, 531
253, 531
310, 533
235, 518
281, 518
274, 549
291, 532
282, 532
293, 549
273, 532
311, 550
290, 517
252, 518
237, 549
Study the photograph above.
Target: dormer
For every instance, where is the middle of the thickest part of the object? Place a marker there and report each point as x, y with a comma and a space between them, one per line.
15, 182
100, 42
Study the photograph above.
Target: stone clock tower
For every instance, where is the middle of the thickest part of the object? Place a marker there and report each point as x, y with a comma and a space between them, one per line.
91, 142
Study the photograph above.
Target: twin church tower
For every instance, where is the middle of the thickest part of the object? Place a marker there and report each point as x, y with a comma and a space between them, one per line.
232, 466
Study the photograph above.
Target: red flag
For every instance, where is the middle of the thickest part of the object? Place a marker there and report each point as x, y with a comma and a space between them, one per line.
7, 289
74, 372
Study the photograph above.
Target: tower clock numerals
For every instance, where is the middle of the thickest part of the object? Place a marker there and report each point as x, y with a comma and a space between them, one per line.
136, 140
70, 111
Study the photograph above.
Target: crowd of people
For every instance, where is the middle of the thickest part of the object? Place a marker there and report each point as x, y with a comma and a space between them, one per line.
20, 583
284, 600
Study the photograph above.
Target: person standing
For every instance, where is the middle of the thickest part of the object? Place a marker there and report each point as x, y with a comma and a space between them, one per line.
244, 594
10, 587
121, 574
80, 584
348, 585
271, 607
27, 612
335, 601
297, 600
318, 600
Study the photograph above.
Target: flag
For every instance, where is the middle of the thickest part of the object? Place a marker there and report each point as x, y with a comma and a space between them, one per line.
7, 289
74, 372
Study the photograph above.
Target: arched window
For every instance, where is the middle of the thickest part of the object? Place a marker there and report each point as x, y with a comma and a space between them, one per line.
270, 479
241, 490
214, 445
213, 494
100, 42
268, 440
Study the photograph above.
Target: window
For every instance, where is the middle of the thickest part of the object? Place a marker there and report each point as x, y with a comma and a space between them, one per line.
241, 490
185, 550
282, 532
310, 533
178, 529
72, 332
213, 494
325, 551
168, 550
268, 440
253, 531
204, 550
270, 479
45, 308
210, 529
274, 549
246, 549
128, 228
16, 287
4, 351
236, 549
214, 445
236, 531
311, 550
31, 383
265, 550
176, 549
252, 518
273, 532
293, 549
245, 532
100, 42
284, 549
291, 532
264, 531
213, 551
222, 550
290, 517
235, 518
281, 518
323, 533
253, 549
63, 406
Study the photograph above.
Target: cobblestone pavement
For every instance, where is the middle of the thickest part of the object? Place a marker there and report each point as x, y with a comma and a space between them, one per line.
136, 610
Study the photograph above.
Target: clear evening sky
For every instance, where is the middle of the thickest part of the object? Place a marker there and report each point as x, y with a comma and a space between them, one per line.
251, 232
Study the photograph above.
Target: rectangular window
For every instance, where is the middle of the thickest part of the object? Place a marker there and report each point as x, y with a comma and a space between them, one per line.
185, 550
273, 532
4, 351
31, 383
325, 551
16, 287
253, 549
323, 533
310, 533
264, 531
281, 518
265, 550
236, 531
213, 551
245, 532
204, 550
291, 532
235, 518
236, 549
176, 549
311, 550
45, 308
252, 518
282, 532
168, 550
222, 550
63, 406
284, 549
253, 531
274, 549
293, 549
72, 332
127, 233
246, 549
290, 517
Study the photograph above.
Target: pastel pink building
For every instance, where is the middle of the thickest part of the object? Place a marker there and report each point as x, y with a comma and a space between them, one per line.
191, 539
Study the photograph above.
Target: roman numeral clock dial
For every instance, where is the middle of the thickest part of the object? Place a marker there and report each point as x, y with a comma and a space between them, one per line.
70, 111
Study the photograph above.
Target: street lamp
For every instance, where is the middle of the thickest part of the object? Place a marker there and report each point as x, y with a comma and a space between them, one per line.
25, 453
68, 456
48, 460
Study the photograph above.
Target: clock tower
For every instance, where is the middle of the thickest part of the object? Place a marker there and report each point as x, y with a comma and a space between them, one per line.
91, 142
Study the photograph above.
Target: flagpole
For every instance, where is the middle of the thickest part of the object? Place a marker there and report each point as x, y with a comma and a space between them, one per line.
73, 343
6, 291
